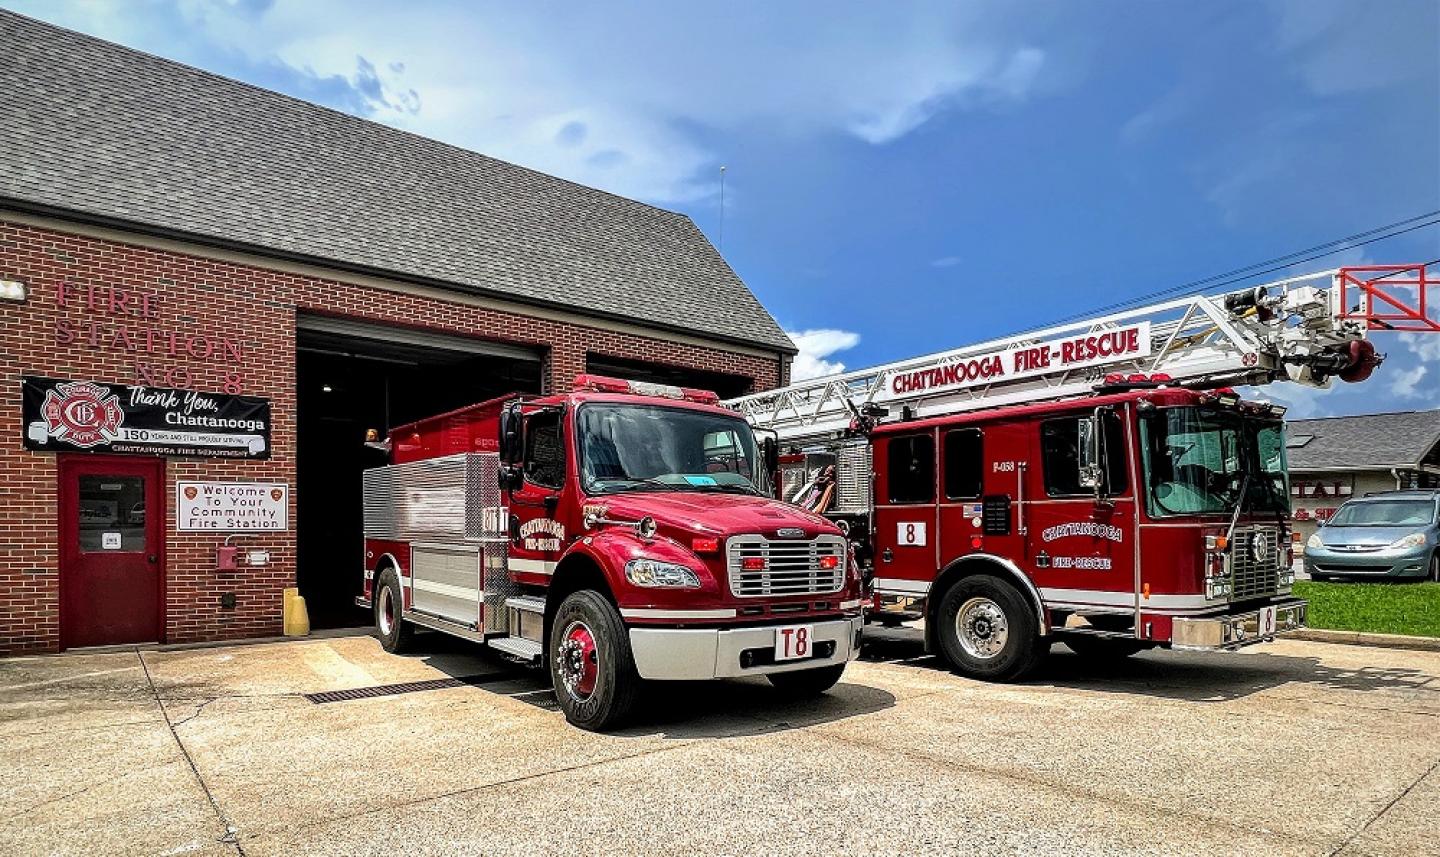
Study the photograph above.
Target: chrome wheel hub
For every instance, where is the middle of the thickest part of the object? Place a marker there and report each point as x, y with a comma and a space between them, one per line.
982, 628
387, 611
577, 660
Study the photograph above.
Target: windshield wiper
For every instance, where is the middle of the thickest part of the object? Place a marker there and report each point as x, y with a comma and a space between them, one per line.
730, 489
638, 482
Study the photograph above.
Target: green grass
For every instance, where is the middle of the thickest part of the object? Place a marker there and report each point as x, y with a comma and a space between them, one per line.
1385, 608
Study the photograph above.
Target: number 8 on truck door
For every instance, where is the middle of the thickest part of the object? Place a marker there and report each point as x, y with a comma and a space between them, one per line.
911, 534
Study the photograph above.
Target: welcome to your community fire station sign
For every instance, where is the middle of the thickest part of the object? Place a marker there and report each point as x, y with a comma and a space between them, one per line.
86, 416
231, 506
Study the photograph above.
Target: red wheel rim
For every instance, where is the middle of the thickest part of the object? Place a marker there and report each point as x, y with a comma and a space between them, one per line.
578, 661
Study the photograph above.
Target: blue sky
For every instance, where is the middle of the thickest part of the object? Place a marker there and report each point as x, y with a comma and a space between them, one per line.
904, 178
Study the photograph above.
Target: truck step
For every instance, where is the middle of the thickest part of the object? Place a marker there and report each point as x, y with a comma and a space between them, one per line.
526, 604
523, 650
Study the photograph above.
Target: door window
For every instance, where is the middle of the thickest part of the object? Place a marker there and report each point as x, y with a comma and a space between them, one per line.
1060, 454
911, 466
112, 513
544, 454
964, 470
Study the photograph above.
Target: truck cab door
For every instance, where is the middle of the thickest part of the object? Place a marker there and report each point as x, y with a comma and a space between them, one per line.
1081, 528
538, 523
905, 512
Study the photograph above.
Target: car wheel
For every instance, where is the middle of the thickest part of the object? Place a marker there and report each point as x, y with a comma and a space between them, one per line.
591, 663
1435, 567
395, 633
987, 630
806, 683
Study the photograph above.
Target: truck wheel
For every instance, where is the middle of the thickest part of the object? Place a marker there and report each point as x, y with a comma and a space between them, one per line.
807, 683
395, 634
1104, 648
591, 663
987, 630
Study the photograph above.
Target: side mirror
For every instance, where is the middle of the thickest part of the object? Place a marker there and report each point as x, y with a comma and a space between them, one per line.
509, 440
1091, 454
770, 454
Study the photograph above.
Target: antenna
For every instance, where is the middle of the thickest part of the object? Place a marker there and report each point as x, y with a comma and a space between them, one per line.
722, 208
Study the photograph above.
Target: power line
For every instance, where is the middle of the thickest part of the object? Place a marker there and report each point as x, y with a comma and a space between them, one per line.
1279, 263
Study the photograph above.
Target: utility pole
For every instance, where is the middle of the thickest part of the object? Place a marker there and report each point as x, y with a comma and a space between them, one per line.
722, 208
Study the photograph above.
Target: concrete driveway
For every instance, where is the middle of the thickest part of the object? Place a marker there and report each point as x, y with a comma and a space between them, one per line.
1294, 747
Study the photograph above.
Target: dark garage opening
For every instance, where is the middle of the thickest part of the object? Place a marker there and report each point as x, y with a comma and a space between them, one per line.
727, 386
352, 377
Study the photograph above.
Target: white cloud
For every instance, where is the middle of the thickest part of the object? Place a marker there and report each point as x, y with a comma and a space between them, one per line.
1405, 383
945, 262
815, 346
618, 99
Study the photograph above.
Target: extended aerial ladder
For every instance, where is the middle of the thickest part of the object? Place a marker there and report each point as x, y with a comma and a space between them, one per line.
1306, 329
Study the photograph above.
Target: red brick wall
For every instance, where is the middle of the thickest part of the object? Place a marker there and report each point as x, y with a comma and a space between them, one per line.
255, 307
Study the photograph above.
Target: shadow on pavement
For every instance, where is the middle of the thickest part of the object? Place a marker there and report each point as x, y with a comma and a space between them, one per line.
1192, 676
705, 709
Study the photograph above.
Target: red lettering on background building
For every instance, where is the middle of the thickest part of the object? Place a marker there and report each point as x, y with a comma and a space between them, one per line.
127, 322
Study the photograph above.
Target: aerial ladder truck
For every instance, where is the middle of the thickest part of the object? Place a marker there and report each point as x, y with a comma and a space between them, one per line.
1099, 482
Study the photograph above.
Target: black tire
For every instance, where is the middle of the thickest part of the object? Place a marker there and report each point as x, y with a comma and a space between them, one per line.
396, 635
1104, 648
990, 603
1434, 575
806, 683
601, 698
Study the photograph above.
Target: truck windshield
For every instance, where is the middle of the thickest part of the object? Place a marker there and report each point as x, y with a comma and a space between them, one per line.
653, 447
1196, 461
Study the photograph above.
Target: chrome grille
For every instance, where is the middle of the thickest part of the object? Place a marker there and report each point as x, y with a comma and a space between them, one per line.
1251, 577
791, 567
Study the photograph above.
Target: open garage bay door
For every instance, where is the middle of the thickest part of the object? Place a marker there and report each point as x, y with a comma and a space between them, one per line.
354, 376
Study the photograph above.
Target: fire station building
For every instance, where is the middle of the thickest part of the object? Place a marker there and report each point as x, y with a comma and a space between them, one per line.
210, 291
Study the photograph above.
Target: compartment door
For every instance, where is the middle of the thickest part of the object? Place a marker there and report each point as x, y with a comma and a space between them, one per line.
445, 582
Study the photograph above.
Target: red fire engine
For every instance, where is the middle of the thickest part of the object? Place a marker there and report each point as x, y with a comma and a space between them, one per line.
618, 533
1098, 483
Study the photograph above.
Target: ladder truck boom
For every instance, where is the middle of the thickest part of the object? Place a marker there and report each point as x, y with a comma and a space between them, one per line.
1306, 329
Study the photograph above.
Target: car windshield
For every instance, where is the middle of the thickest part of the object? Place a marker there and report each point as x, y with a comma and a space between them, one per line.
1384, 513
659, 448
1196, 461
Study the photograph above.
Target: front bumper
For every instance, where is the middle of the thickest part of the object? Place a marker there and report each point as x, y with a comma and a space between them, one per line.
1380, 563
1232, 631
682, 654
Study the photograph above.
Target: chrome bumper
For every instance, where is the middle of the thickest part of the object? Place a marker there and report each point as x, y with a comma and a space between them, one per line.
1236, 630
678, 654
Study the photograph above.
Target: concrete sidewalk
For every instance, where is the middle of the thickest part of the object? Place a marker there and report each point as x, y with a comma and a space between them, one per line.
1294, 747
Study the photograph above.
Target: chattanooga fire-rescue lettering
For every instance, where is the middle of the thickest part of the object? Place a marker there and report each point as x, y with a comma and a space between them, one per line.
532, 531
1083, 528
1074, 352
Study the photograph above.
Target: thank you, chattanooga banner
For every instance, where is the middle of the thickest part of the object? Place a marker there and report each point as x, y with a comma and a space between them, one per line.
65, 416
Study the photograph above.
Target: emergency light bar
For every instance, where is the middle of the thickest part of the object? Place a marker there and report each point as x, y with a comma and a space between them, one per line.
603, 384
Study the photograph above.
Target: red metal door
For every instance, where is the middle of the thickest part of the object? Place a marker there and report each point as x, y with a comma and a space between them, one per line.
112, 525
905, 512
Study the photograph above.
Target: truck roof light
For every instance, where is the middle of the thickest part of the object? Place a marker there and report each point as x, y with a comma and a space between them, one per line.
604, 384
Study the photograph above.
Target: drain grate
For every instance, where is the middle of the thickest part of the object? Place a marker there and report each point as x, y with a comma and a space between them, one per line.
405, 687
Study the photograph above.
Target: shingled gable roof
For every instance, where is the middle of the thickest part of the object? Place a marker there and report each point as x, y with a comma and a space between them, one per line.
96, 132
1400, 439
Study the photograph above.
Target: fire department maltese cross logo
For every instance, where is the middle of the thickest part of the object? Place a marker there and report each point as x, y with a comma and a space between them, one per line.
83, 414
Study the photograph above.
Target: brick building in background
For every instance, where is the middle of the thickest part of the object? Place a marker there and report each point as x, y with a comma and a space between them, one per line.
166, 232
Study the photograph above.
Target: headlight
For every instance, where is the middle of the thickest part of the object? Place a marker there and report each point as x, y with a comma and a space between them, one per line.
654, 573
1314, 541
1414, 540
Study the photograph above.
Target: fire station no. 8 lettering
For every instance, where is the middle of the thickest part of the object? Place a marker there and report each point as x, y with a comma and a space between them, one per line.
1075, 352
